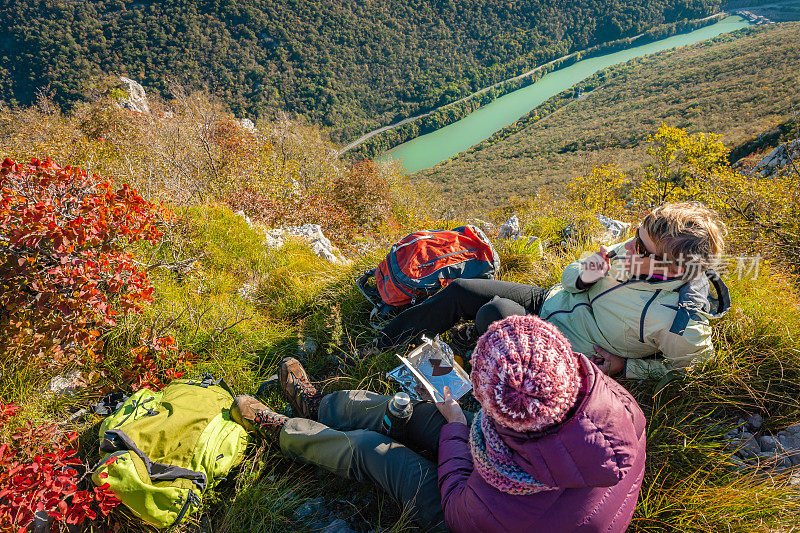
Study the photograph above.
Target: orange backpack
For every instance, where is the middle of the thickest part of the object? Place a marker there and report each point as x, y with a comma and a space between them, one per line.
426, 261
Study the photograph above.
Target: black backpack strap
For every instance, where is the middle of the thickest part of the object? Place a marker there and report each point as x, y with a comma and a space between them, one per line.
370, 292
110, 403
115, 440
206, 380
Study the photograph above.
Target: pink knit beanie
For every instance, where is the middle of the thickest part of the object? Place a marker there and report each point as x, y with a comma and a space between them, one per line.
524, 373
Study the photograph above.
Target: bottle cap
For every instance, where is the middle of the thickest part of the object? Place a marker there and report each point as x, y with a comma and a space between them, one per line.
402, 399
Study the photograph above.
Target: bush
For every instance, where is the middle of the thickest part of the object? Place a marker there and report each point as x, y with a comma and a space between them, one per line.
64, 271
39, 476
354, 201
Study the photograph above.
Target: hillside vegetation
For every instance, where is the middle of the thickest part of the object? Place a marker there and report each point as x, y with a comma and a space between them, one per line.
192, 287
350, 66
736, 85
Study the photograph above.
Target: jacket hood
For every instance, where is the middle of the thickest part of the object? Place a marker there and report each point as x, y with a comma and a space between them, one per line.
706, 294
594, 447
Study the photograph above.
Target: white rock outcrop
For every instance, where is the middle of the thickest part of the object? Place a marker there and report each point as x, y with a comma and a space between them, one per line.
778, 158
247, 125
308, 233
487, 227
779, 452
67, 384
137, 98
319, 243
615, 229
510, 228
246, 218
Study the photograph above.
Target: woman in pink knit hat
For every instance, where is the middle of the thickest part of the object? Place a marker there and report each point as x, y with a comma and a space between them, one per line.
557, 446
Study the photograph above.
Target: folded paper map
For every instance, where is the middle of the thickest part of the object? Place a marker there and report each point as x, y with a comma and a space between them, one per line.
428, 369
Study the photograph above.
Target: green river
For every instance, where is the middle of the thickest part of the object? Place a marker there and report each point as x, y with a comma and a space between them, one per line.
428, 150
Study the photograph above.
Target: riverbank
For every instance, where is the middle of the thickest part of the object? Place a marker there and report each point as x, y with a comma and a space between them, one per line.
429, 150
710, 87
387, 137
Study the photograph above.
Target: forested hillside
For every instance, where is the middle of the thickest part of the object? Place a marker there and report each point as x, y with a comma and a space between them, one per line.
345, 64
736, 85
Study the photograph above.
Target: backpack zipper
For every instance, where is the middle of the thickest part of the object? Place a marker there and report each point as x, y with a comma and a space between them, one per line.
432, 261
136, 406
191, 499
412, 241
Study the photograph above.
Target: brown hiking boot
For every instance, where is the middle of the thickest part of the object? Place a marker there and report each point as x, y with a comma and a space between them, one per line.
256, 417
297, 388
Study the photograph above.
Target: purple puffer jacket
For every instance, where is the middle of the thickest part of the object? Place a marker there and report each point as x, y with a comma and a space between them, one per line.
595, 458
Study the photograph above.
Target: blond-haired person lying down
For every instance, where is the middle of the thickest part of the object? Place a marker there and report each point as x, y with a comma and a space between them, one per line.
639, 308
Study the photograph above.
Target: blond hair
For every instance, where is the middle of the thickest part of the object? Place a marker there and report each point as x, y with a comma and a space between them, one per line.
688, 233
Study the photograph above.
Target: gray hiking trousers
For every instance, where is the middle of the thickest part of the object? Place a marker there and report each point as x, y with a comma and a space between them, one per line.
346, 441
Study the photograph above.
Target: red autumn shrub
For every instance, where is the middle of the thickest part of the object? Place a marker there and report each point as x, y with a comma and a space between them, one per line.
64, 271
293, 210
33, 480
155, 363
364, 195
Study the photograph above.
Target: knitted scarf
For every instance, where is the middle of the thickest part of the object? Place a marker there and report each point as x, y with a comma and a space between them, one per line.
492, 459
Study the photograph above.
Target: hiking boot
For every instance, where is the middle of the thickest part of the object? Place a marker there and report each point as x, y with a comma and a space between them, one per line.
464, 336
297, 388
255, 417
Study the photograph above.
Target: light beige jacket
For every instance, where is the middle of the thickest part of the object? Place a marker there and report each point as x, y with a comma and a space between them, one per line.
636, 318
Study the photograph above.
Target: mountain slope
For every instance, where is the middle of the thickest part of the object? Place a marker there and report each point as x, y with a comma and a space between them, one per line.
737, 85
348, 65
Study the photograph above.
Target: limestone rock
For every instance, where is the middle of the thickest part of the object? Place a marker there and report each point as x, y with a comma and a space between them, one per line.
319, 243
615, 229
487, 227
790, 442
509, 228
248, 292
308, 348
137, 99
247, 125
755, 421
313, 507
274, 238
67, 385
771, 460
745, 446
793, 429
769, 444
246, 218
778, 158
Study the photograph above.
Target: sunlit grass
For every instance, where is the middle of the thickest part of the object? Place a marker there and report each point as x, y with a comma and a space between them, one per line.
690, 482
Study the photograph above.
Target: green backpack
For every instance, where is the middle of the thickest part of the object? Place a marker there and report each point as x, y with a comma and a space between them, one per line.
162, 450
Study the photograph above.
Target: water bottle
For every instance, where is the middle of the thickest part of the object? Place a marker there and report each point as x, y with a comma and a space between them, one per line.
398, 413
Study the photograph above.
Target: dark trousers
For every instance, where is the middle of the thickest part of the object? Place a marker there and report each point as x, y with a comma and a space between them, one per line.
481, 300
346, 441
